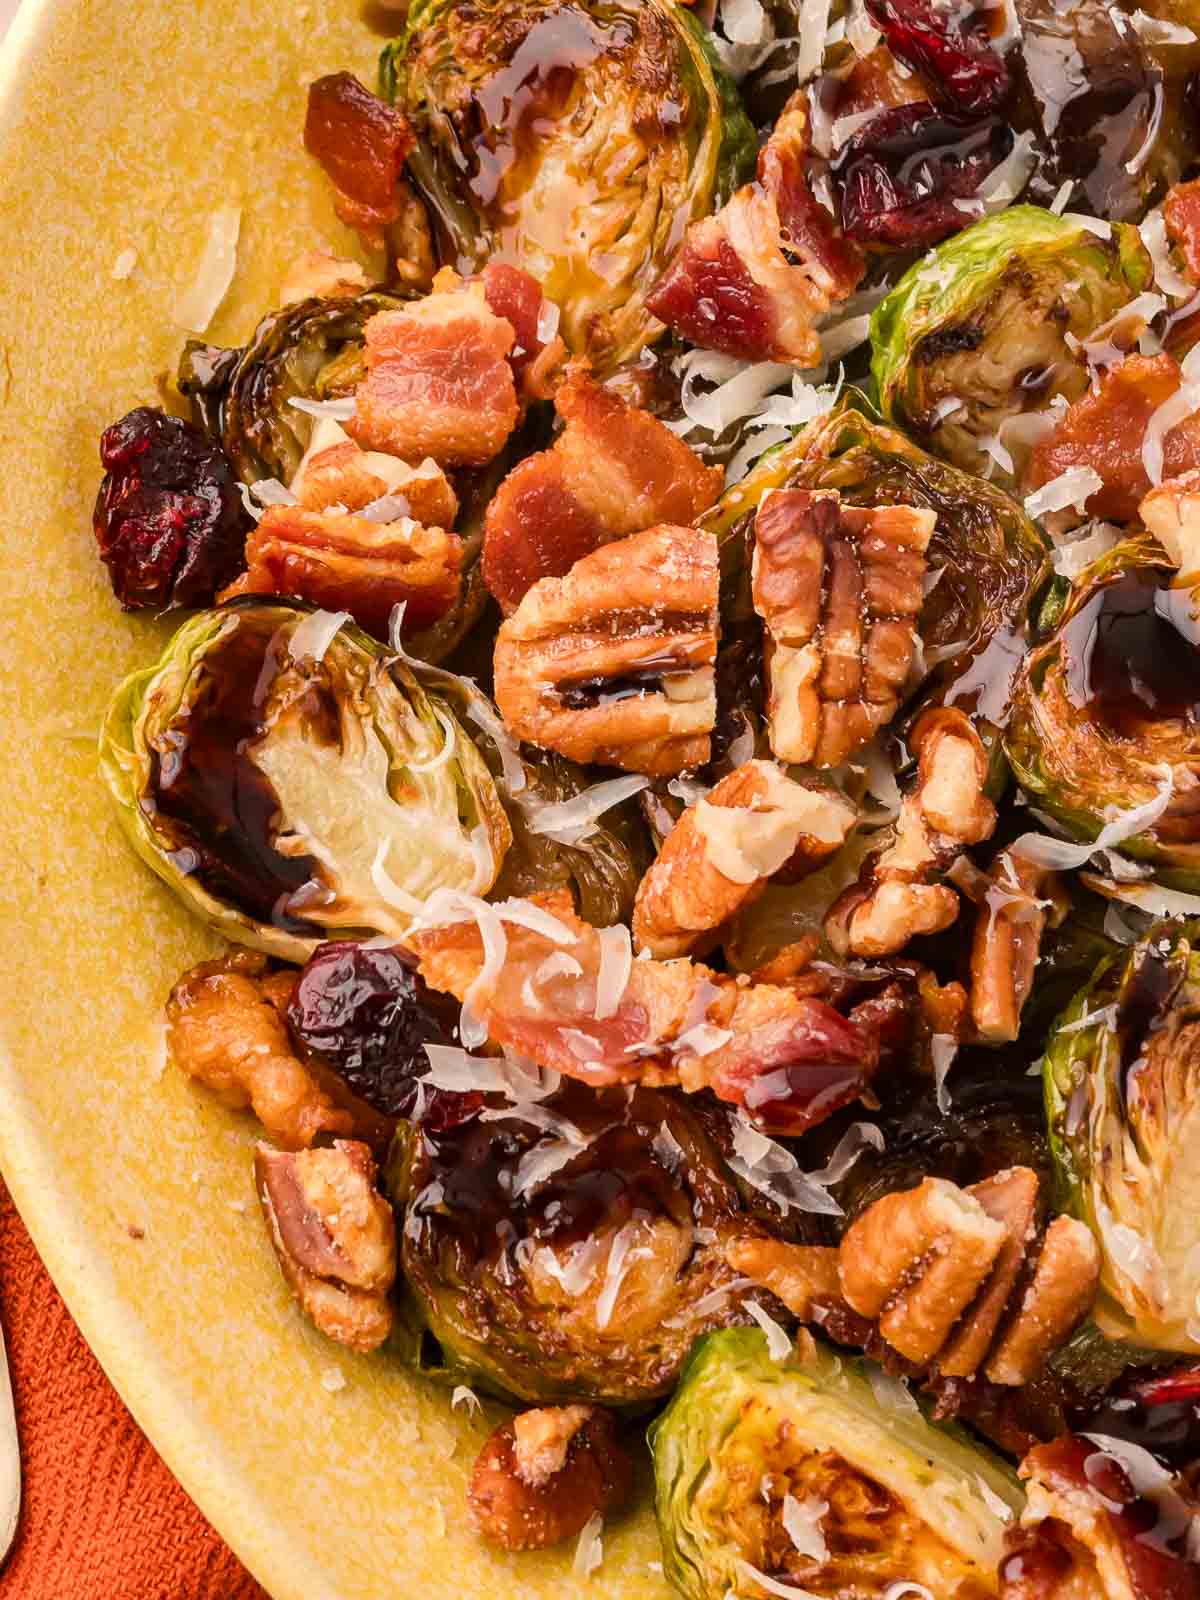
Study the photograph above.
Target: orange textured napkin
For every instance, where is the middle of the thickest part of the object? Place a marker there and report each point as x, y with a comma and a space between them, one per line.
101, 1517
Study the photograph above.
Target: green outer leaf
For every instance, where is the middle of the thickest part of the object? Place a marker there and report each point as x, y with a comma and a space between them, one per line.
728, 1369
952, 284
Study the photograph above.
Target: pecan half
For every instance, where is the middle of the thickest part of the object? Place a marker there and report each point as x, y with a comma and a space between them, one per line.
334, 1235
1171, 511
540, 1477
1018, 901
839, 588
898, 895
725, 849
614, 662
800, 1276
224, 1027
940, 1270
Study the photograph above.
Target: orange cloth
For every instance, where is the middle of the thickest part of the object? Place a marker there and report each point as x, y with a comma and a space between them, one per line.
101, 1517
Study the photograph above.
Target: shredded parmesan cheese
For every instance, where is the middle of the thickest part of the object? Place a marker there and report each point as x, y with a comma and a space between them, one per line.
1070, 490
197, 307
802, 1524
779, 1346
572, 821
312, 636
589, 1551
616, 964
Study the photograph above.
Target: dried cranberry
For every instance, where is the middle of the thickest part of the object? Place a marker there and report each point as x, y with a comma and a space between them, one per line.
902, 173
169, 519
365, 1012
949, 47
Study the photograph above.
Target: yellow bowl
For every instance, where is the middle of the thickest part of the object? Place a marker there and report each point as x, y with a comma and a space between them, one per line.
123, 125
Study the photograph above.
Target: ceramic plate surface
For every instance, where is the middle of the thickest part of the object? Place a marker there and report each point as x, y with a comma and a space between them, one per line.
123, 125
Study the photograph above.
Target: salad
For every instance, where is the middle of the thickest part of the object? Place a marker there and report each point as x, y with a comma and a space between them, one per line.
685, 707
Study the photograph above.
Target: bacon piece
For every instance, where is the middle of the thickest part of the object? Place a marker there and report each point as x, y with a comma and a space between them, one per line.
335, 472
1105, 430
790, 1060
438, 382
614, 470
1181, 213
752, 280
346, 563
512, 294
362, 143
1097, 1532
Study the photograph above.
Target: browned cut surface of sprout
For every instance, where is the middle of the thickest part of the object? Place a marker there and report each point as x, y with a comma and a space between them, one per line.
725, 849
334, 1235
613, 663
839, 588
224, 1027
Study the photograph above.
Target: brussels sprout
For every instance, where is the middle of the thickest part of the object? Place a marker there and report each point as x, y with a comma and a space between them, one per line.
273, 791
1105, 711
575, 138
986, 320
570, 1248
311, 350
990, 559
1122, 1082
810, 1474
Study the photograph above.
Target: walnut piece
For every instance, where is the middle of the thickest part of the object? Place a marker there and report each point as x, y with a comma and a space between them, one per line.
613, 663
798, 1275
938, 1268
335, 471
725, 849
334, 1235
839, 588
896, 896
224, 1027
1018, 901
540, 1477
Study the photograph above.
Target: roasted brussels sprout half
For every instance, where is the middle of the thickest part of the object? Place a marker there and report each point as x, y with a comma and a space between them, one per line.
980, 330
1122, 1081
569, 1248
1106, 712
311, 350
575, 138
289, 785
814, 1474
988, 557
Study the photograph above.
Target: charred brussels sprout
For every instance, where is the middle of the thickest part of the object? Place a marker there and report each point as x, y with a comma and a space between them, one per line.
288, 785
1122, 1081
308, 351
979, 330
1106, 712
576, 140
809, 1474
569, 1249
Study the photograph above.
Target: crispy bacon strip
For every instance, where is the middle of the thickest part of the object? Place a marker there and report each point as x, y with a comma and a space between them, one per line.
1181, 213
439, 382
790, 1061
346, 563
1105, 430
613, 471
753, 279
512, 294
1087, 1529
362, 143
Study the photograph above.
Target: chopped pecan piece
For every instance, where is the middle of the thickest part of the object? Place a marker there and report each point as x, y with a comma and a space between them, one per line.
1171, 511
439, 382
1019, 901
224, 1027
896, 896
753, 279
540, 1477
839, 588
347, 563
800, 1276
337, 472
1104, 430
1104, 1522
1181, 214
612, 471
334, 1235
321, 276
362, 143
789, 1059
939, 1267
614, 662
725, 849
